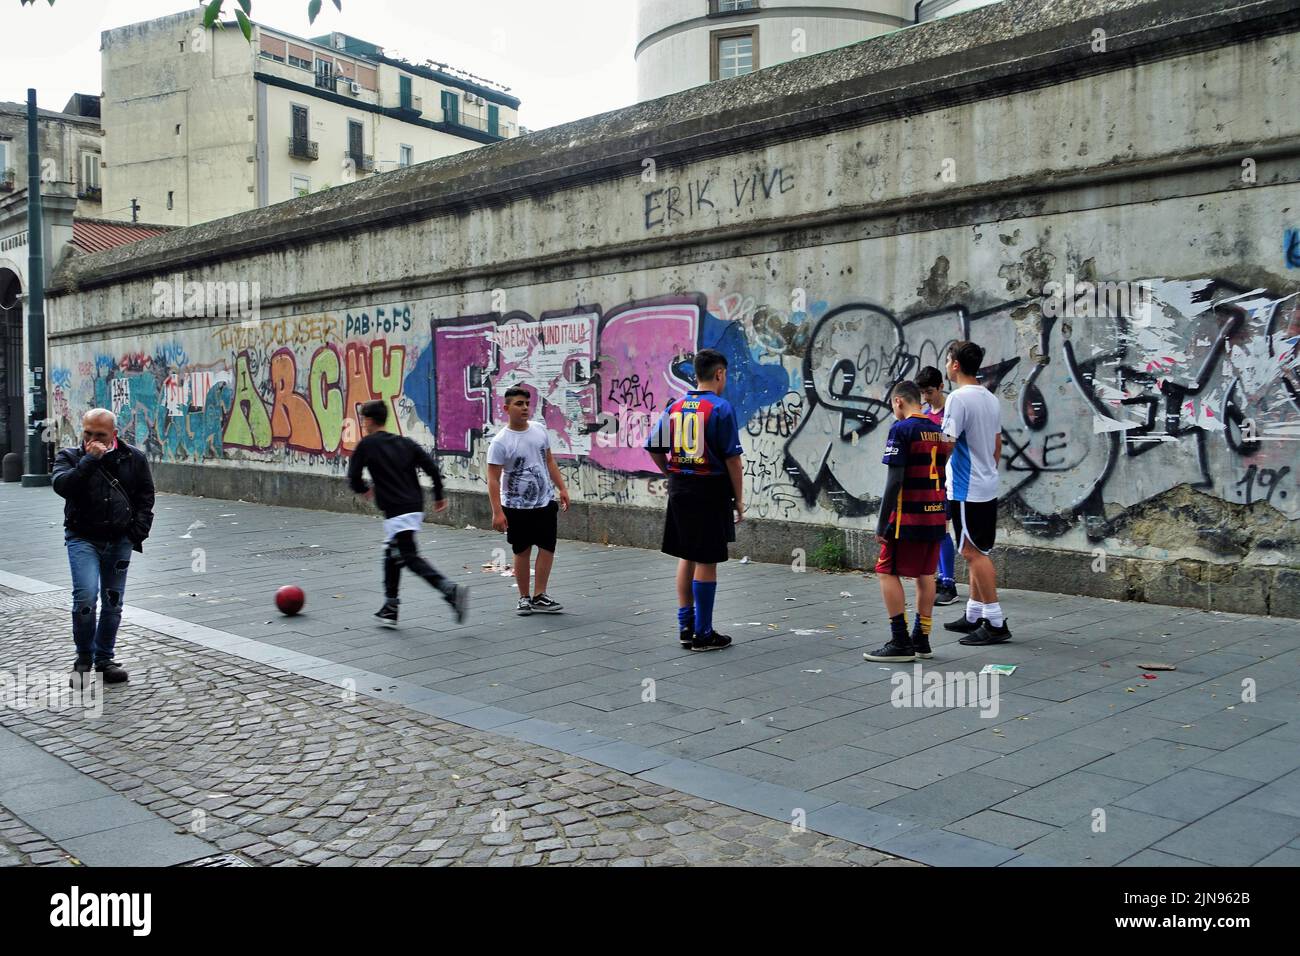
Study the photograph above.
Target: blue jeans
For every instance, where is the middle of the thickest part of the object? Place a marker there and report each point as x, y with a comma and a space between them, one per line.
98, 567
946, 555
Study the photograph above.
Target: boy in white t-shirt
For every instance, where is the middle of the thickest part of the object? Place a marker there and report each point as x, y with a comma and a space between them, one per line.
522, 481
972, 421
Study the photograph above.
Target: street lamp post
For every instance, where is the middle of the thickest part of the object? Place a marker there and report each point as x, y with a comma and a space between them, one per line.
37, 473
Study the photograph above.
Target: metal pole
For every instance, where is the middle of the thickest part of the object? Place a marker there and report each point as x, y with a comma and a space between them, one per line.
37, 473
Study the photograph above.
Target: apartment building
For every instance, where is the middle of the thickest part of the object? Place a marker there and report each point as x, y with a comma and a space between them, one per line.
70, 146
202, 124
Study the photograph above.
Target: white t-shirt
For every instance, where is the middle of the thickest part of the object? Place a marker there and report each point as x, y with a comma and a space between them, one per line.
973, 416
525, 481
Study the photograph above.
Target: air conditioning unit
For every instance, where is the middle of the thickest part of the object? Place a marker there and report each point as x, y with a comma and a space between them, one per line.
469, 97
354, 88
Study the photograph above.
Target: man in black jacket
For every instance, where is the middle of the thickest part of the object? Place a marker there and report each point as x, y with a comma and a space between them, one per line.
393, 461
107, 513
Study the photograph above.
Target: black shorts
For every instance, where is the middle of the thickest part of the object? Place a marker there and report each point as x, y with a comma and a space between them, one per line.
977, 521
699, 523
526, 527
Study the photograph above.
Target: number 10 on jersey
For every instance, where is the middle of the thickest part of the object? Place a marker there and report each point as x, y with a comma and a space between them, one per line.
686, 433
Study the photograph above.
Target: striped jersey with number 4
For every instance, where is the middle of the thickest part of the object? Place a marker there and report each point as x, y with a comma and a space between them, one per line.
919, 512
698, 432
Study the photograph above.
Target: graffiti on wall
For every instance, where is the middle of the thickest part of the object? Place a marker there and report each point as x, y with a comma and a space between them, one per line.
597, 379
1100, 412
1202, 391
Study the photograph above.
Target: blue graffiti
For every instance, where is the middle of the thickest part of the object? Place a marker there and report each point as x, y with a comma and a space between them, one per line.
751, 385
419, 388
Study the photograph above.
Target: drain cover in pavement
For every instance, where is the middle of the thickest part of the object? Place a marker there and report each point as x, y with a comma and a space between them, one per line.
221, 859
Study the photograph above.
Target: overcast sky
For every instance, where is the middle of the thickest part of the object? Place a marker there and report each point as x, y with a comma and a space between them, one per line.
564, 59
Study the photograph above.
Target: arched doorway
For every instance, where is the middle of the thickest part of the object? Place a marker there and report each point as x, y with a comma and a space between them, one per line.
13, 427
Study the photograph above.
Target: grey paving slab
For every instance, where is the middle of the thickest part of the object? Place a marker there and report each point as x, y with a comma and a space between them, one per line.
1044, 761
1188, 794
1236, 835
720, 740
1103, 841
951, 799
1009, 736
750, 762
780, 803
1287, 856
860, 790
85, 817
629, 758
1264, 758
58, 790
704, 781
941, 848
1157, 858
1068, 797
1223, 730
928, 766
151, 843
1153, 760
1280, 796
823, 767
1003, 829
857, 824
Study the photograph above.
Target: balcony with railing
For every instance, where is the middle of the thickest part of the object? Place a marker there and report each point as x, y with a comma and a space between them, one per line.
301, 148
361, 162
411, 104
90, 193
7, 180
326, 81
477, 122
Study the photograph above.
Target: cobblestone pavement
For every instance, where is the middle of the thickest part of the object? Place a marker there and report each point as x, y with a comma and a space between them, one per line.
287, 771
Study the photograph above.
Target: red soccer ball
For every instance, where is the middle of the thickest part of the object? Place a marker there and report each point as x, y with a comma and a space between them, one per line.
290, 599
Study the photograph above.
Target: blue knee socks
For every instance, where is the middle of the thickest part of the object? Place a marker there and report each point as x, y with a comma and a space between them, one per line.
946, 554
704, 591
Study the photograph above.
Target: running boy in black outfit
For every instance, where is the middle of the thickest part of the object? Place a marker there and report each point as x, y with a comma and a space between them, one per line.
392, 461
697, 444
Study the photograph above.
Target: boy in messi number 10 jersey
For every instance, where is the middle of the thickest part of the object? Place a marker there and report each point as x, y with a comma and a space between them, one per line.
912, 523
697, 444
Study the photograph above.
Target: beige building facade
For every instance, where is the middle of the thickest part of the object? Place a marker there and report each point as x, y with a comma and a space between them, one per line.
202, 124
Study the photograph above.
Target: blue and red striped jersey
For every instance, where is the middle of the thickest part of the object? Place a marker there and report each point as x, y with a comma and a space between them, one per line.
919, 513
698, 432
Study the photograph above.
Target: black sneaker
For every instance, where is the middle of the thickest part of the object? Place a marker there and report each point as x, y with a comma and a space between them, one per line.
80, 667
686, 635
525, 606
945, 594
544, 605
713, 641
962, 626
921, 644
986, 633
895, 652
387, 614
112, 672
460, 601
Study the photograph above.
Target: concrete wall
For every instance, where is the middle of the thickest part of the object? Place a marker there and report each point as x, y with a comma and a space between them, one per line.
830, 239
674, 36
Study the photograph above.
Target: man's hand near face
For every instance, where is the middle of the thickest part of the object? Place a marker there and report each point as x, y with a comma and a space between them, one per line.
96, 449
